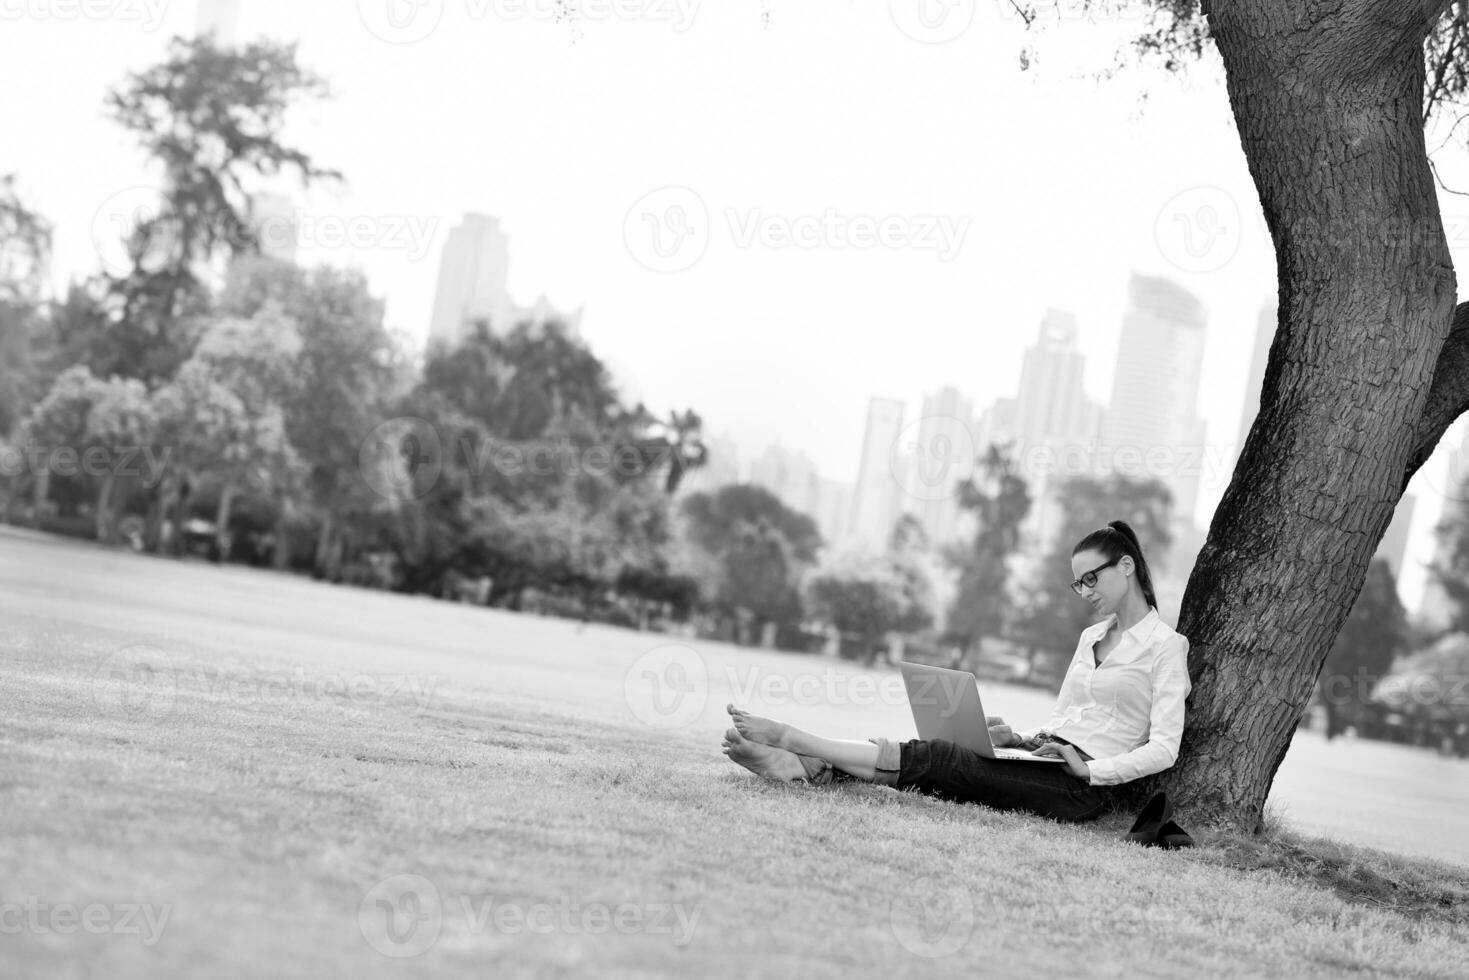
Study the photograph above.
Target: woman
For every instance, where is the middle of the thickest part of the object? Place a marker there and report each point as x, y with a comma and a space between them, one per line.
1119, 715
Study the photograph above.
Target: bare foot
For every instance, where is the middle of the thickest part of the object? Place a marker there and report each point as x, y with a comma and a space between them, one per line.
766, 731
763, 760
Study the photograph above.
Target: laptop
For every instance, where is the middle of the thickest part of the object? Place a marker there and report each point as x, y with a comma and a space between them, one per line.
946, 705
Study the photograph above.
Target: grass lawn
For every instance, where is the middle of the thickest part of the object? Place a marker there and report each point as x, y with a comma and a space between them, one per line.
220, 772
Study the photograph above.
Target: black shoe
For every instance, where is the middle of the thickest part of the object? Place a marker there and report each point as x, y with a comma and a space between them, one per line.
1171, 837
1150, 820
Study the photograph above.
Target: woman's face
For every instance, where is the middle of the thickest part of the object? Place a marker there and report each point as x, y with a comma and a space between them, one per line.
1112, 582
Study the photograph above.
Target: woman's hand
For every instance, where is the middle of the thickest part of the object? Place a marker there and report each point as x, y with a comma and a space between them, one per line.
1001, 735
1074, 765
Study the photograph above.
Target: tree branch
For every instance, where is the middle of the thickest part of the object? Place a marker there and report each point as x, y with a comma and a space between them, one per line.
1448, 398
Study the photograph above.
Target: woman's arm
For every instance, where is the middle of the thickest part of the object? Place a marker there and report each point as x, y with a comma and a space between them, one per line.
1165, 724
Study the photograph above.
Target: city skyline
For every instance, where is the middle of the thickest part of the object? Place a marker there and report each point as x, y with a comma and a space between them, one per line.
816, 331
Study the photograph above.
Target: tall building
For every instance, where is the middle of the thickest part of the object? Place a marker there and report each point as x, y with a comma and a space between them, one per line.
474, 268
276, 225
1051, 404
1152, 428
876, 501
220, 18
721, 469
833, 510
1054, 420
1264, 337
943, 453
1394, 544
791, 476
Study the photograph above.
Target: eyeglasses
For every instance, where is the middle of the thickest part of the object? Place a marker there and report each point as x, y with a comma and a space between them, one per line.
1089, 579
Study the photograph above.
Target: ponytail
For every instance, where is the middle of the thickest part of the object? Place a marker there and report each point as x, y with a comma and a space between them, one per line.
1116, 540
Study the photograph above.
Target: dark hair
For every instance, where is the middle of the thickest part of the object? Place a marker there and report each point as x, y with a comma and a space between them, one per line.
1115, 540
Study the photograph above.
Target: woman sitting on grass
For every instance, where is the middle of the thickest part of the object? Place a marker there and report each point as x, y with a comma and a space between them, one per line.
1119, 715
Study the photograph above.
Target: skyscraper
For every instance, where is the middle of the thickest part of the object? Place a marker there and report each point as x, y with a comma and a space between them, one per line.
1264, 337
1051, 403
220, 18
875, 500
791, 476
1152, 428
274, 219
943, 455
474, 268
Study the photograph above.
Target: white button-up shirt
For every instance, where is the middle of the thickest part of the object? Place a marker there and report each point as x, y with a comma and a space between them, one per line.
1126, 714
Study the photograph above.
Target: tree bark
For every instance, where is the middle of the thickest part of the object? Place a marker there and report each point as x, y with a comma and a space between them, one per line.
1327, 99
222, 522
104, 509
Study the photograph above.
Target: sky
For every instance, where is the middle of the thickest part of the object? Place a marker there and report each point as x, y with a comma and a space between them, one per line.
770, 211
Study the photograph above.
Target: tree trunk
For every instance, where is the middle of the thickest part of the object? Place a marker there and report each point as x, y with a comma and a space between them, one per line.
104, 508
222, 522
323, 545
1329, 114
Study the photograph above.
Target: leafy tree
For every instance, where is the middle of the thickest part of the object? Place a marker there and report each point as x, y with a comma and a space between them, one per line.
1000, 501
346, 368
1052, 617
212, 118
759, 550
25, 250
868, 598
1375, 634
715, 518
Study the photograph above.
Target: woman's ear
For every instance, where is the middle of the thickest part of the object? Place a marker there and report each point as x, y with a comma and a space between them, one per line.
1127, 566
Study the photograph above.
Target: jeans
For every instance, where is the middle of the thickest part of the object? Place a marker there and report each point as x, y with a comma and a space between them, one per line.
943, 769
